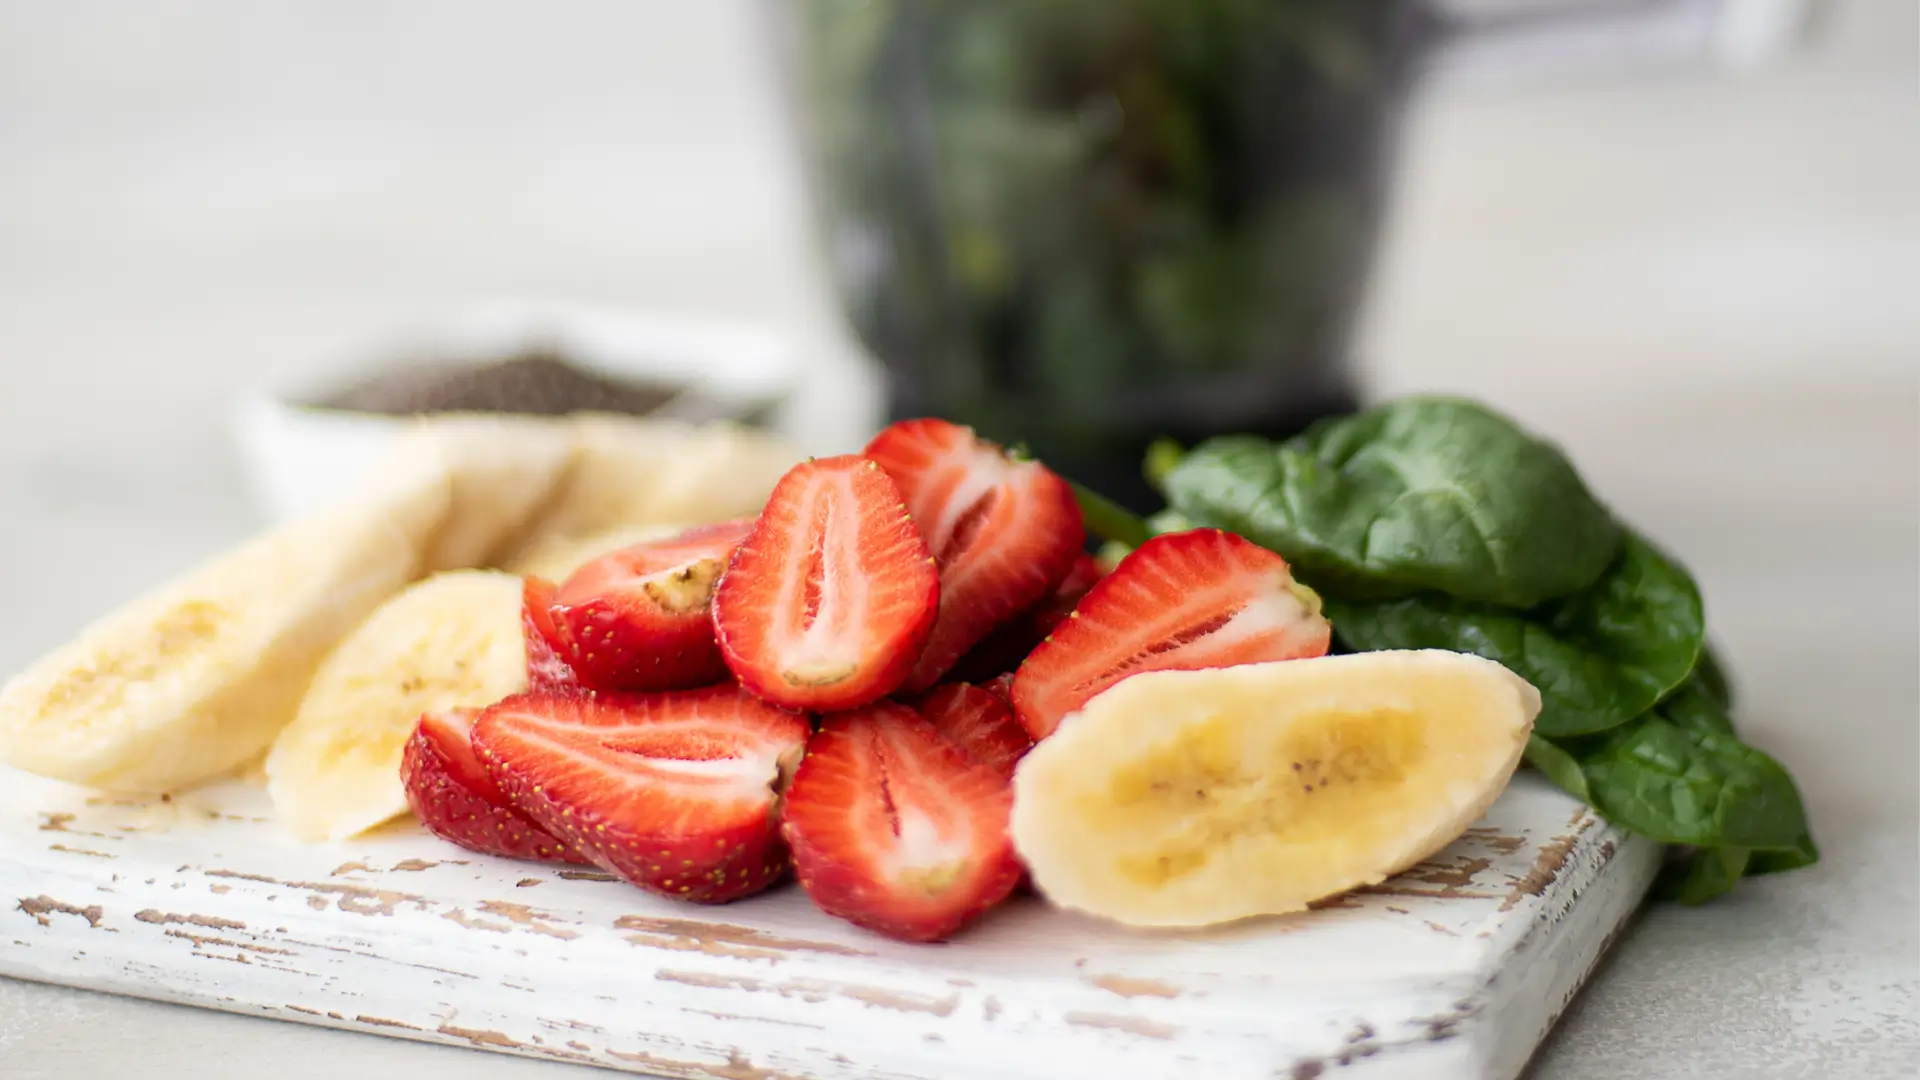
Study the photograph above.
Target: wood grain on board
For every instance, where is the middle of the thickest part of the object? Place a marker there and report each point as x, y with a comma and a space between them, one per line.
1454, 969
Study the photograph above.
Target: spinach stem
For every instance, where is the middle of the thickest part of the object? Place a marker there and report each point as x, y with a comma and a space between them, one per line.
1108, 520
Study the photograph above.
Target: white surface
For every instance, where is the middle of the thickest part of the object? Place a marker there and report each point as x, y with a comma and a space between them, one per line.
1451, 971
1704, 287
297, 457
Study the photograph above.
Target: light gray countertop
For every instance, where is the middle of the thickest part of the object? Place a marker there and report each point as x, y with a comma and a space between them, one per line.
1703, 288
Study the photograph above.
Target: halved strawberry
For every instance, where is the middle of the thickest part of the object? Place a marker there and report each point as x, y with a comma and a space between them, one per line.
640, 618
457, 801
1197, 599
828, 601
978, 722
893, 829
677, 792
1003, 650
545, 669
1003, 531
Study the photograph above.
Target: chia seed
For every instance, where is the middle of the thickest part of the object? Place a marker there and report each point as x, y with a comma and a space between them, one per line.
538, 382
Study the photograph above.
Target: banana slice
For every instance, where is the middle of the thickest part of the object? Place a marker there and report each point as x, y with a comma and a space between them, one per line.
451, 640
633, 473
503, 470
195, 678
723, 472
1185, 798
555, 557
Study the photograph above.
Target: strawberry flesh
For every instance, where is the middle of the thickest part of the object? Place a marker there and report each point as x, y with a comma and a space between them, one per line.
545, 669
893, 829
677, 792
978, 722
457, 801
1002, 651
640, 618
1004, 532
1001, 686
828, 601
1197, 599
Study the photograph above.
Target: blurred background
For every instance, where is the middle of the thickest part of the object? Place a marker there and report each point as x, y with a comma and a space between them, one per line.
202, 198
1646, 224
1682, 237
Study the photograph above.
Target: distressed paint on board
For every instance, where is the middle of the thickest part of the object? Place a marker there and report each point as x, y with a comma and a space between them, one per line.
1453, 970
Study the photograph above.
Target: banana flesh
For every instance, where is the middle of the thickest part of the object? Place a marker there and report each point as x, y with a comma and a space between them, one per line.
502, 472
1186, 798
195, 678
451, 640
554, 557
628, 475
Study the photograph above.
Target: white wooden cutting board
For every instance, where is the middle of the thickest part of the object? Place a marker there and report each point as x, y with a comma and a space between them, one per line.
1452, 971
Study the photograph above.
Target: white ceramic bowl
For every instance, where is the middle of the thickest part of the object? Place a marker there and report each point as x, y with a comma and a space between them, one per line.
296, 456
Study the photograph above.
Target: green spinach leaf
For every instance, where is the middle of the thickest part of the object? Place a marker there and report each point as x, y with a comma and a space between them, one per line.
1599, 658
1680, 775
1803, 854
1560, 766
1707, 873
1700, 704
1684, 784
1696, 705
1418, 494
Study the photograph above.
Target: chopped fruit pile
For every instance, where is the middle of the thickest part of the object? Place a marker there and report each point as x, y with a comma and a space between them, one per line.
903, 672
843, 686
